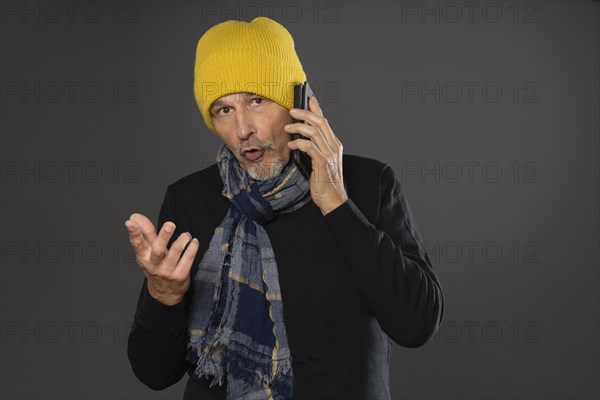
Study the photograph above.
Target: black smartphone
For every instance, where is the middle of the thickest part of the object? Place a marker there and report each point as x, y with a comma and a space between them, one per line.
302, 92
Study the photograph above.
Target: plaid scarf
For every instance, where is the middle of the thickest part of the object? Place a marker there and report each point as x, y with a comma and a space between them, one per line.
235, 320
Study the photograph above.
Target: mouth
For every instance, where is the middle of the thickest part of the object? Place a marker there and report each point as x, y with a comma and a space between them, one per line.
253, 153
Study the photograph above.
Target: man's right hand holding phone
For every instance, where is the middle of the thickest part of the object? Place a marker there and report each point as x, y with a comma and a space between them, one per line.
167, 270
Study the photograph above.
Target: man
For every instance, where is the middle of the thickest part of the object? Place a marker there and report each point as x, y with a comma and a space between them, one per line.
262, 284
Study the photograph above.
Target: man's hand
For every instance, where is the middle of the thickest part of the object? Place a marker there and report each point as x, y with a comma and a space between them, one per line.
325, 150
168, 275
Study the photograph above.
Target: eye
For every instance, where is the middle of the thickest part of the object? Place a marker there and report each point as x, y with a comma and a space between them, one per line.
258, 100
223, 111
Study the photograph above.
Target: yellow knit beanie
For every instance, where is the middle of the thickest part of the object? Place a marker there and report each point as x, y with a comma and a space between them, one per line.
238, 56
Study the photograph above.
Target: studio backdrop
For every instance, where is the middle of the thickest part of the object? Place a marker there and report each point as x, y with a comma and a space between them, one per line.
487, 112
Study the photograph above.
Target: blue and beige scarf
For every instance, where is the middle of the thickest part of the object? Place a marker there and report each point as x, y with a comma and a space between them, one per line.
235, 320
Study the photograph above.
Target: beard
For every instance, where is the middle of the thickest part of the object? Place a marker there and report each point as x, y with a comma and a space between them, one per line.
260, 170
265, 170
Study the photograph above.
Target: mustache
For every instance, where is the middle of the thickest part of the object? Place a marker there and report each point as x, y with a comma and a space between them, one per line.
267, 144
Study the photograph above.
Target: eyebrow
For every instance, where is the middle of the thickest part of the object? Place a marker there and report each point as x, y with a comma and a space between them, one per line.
216, 104
220, 102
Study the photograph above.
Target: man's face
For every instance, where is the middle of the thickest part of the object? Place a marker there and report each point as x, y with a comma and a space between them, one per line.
252, 127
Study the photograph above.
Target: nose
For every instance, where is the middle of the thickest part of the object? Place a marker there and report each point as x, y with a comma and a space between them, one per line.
244, 124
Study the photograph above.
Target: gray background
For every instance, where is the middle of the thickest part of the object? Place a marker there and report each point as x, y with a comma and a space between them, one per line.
515, 242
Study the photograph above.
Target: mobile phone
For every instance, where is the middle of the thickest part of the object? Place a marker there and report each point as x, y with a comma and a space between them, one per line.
302, 92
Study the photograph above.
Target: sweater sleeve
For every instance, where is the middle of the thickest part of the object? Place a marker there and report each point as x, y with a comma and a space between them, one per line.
158, 339
390, 263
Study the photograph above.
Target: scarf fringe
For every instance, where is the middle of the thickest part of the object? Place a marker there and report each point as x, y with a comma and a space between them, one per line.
284, 367
210, 365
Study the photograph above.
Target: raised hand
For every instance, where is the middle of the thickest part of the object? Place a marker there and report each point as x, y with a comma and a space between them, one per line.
327, 187
167, 270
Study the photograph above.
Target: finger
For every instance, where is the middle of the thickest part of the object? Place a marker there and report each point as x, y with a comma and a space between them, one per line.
314, 106
136, 237
159, 247
311, 132
333, 141
309, 147
320, 122
146, 226
187, 259
332, 167
172, 256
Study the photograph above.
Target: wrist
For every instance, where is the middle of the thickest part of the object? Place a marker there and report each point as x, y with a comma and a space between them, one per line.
332, 206
166, 299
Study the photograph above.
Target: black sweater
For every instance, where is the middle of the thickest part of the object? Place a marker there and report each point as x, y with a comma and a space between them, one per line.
351, 281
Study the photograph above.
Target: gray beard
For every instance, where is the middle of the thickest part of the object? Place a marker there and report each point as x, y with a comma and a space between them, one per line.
263, 171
